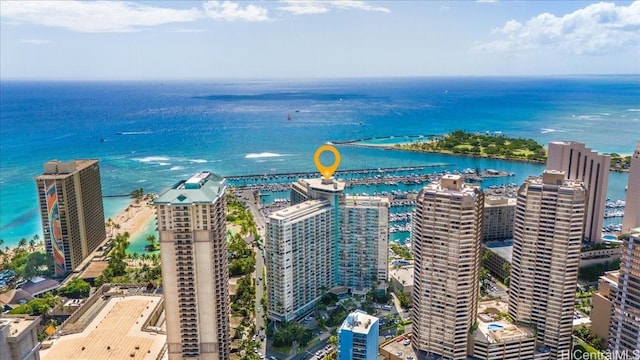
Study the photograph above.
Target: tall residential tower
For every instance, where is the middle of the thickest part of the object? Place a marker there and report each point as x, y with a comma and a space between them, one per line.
195, 275
548, 231
632, 208
580, 163
325, 239
446, 237
624, 334
70, 197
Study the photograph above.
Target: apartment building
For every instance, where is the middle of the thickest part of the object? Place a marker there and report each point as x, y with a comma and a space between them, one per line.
195, 276
71, 210
548, 232
446, 237
580, 163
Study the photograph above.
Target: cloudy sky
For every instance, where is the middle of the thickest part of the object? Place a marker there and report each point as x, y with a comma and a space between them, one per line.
120, 40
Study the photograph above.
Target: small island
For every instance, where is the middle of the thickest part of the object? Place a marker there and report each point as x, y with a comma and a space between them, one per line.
482, 145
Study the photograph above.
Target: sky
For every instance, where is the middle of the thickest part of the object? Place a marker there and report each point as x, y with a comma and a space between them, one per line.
165, 40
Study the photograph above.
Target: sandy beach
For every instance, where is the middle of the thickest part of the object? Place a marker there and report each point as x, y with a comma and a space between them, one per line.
133, 218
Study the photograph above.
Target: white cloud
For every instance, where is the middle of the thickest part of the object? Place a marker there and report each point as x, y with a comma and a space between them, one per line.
306, 7
94, 16
597, 28
35, 41
120, 16
231, 11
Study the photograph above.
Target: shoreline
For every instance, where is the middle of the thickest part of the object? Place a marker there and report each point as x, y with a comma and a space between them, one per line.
392, 147
133, 219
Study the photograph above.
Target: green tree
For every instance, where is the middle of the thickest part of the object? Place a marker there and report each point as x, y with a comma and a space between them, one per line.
22, 243
75, 289
38, 264
137, 194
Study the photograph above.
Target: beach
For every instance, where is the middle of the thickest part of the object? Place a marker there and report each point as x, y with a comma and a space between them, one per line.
133, 219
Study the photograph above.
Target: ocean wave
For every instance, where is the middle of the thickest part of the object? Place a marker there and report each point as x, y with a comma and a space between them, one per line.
261, 155
634, 110
198, 161
176, 168
149, 159
546, 131
164, 163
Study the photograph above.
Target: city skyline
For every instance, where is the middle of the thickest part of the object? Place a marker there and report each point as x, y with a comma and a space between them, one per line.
77, 40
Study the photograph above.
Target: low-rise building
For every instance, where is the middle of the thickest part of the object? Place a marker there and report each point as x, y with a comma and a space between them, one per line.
19, 337
497, 337
402, 279
602, 303
496, 257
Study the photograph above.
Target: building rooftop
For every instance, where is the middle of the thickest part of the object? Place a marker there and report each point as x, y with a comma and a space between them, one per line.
503, 249
56, 169
490, 201
327, 185
114, 333
494, 328
404, 275
39, 285
202, 188
359, 322
299, 210
18, 323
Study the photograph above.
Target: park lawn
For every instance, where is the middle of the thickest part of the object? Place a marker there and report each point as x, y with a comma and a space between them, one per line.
464, 147
523, 152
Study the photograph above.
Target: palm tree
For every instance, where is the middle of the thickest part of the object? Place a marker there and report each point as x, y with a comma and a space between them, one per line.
32, 244
151, 239
22, 243
36, 239
135, 256
155, 259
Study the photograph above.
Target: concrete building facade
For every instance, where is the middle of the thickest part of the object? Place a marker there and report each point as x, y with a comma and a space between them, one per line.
325, 239
602, 303
446, 237
358, 337
71, 210
625, 320
19, 337
363, 242
579, 162
548, 233
499, 213
632, 208
299, 258
195, 277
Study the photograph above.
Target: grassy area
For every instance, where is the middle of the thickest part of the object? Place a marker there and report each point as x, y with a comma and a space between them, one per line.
484, 145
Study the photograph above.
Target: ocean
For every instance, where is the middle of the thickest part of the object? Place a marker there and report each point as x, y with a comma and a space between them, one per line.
152, 134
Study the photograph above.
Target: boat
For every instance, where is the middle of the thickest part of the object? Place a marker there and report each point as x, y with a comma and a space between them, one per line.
101, 139
289, 117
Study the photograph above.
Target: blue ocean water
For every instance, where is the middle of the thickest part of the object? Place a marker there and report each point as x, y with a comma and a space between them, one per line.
152, 134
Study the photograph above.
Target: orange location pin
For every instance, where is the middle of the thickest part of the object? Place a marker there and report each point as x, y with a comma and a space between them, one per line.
327, 171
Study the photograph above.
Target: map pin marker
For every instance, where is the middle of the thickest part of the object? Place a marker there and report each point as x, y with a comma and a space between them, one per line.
327, 171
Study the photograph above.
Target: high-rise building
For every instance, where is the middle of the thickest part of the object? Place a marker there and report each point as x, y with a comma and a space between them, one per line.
548, 232
632, 208
325, 239
624, 334
19, 337
578, 162
363, 242
299, 258
358, 337
446, 237
195, 275
70, 197
498, 218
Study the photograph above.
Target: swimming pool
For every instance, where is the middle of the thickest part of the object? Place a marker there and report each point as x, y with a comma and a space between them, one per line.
493, 327
609, 237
